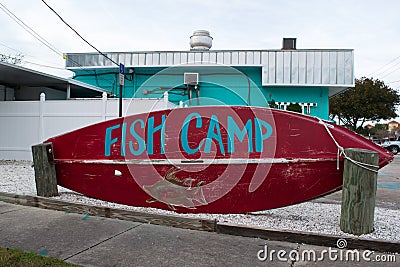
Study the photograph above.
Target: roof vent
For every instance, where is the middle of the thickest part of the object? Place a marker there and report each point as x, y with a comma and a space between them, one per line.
289, 44
200, 40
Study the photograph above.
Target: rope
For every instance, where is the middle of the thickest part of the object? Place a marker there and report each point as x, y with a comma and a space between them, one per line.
341, 152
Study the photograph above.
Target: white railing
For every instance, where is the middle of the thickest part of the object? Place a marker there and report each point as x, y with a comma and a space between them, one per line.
305, 107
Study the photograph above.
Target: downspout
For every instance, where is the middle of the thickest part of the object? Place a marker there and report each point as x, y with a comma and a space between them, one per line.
68, 91
134, 83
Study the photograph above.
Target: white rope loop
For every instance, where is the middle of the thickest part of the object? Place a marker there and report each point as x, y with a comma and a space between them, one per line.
341, 152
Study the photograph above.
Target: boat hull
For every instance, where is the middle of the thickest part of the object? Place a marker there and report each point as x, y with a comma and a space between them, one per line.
207, 159
285, 184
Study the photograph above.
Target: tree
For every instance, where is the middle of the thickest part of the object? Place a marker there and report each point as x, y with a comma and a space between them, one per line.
369, 100
17, 59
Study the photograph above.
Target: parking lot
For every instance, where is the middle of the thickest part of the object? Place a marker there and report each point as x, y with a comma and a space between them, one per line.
388, 192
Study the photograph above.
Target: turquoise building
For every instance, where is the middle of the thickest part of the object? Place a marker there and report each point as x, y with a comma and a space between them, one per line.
201, 76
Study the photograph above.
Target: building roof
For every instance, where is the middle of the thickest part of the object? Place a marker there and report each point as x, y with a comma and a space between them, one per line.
332, 68
369, 126
13, 75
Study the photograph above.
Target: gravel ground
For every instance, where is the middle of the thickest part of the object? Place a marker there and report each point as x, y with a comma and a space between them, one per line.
18, 177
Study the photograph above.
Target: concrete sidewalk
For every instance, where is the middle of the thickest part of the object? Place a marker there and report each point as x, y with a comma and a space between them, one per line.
97, 241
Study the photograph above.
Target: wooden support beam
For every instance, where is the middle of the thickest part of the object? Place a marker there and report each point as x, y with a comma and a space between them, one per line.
45, 170
359, 192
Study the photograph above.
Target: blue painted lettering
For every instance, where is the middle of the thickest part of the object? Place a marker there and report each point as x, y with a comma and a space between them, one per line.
136, 142
139, 139
233, 129
123, 139
185, 130
151, 129
214, 124
108, 141
260, 136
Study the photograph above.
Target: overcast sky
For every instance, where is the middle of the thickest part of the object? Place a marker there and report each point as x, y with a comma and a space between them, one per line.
371, 28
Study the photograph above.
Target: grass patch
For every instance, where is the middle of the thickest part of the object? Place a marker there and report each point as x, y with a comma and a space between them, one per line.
14, 257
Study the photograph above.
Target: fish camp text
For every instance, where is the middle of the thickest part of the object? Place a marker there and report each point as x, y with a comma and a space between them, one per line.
138, 142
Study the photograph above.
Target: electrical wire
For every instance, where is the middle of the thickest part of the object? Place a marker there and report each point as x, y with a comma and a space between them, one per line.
30, 62
38, 37
27, 55
50, 46
101, 53
43, 65
393, 81
387, 74
383, 67
3, 44
30, 30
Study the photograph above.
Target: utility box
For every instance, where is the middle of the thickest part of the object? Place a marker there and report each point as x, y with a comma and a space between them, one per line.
191, 78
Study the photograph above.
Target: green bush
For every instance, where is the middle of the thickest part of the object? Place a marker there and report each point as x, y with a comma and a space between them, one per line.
295, 107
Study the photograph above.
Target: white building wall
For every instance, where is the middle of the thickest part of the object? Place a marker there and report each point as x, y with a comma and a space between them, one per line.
26, 123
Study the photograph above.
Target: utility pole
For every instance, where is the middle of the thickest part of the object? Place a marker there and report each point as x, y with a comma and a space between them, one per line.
121, 84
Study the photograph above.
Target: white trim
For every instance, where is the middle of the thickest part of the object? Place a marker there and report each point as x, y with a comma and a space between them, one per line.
233, 161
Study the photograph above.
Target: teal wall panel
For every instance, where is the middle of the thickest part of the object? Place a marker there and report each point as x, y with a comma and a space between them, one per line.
312, 94
218, 85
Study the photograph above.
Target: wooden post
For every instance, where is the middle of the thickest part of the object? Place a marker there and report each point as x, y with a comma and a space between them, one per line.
45, 170
359, 191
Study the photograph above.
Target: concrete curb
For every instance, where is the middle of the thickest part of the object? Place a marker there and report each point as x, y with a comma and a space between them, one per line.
201, 224
309, 238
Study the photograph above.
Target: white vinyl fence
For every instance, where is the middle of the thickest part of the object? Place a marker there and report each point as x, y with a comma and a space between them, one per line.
26, 123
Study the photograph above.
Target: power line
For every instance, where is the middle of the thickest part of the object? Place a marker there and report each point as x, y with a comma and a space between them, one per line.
27, 55
43, 65
43, 41
394, 81
388, 69
16, 50
383, 67
39, 38
29, 29
101, 53
387, 74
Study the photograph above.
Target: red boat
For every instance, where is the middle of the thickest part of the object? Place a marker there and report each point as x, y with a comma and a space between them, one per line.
210, 159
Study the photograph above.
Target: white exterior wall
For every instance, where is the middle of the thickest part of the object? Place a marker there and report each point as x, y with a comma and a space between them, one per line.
26, 123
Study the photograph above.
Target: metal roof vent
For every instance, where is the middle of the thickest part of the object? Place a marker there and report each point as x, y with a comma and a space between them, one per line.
200, 40
289, 44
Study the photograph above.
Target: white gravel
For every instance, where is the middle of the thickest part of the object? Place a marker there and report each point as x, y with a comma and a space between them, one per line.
18, 177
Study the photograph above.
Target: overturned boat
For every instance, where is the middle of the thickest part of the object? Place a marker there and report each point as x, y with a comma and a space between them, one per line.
209, 159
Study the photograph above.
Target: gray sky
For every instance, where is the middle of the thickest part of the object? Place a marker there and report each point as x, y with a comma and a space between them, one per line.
371, 28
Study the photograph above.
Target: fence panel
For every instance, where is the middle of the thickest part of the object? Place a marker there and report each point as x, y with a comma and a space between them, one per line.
25, 123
